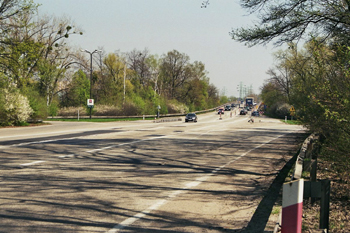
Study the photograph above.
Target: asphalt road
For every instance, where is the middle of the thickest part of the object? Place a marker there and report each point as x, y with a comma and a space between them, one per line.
209, 176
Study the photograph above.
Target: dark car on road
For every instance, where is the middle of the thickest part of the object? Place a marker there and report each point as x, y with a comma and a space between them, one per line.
255, 113
243, 112
221, 111
191, 117
228, 108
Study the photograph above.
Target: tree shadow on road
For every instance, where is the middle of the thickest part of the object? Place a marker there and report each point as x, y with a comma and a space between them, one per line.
262, 213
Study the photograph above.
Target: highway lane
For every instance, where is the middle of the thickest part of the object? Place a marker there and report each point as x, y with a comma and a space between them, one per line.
100, 177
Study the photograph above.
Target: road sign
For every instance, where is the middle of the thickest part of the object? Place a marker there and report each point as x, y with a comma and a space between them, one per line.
90, 103
292, 111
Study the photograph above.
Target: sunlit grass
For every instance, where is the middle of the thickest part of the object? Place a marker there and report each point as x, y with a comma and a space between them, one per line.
99, 119
292, 122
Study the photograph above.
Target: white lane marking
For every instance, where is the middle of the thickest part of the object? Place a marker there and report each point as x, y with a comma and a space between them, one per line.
70, 138
138, 216
129, 221
100, 149
128, 143
38, 142
67, 156
76, 130
32, 163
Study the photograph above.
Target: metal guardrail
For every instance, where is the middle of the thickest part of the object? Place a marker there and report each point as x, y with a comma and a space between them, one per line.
307, 161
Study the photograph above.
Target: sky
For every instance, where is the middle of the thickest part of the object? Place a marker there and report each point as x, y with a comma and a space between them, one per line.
165, 25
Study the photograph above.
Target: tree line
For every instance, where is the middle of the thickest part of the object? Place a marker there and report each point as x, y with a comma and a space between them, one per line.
40, 73
312, 73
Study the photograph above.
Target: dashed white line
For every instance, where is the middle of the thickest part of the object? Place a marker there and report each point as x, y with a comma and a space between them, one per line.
187, 186
67, 156
32, 163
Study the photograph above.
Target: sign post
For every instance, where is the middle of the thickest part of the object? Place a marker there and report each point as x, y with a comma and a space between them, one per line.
292, 112
158, 108
90, 104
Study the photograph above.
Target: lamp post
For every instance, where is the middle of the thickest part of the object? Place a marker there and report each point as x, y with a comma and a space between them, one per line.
91, 53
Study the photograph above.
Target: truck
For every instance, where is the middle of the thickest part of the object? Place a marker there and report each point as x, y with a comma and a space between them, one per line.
249, 101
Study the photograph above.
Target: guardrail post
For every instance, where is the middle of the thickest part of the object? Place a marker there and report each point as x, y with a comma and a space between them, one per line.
325, 198
292, 206
313, 177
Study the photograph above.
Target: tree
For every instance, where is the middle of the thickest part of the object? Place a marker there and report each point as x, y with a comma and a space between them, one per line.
79, 90
11, 8
19, 52
174, 72
291, 62
36, 51
290, 20
319, 92
195, 88
137, 61
272, 97
153, 62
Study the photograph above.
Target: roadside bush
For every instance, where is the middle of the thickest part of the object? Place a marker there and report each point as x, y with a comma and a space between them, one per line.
140, 104
282, 110
191, 108
174, 106
98, 110
278, 110
72, 111
38, 104
130, 109
53, 109
14, 108
107, 110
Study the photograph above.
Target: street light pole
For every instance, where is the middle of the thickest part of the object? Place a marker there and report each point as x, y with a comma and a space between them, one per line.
91, 53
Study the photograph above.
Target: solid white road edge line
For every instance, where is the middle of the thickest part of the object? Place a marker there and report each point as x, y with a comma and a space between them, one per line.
187, 186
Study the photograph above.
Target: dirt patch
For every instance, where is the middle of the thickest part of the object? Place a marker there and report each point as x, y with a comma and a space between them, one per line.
339, 219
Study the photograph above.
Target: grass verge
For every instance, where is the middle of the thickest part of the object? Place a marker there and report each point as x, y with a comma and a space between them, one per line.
100, 119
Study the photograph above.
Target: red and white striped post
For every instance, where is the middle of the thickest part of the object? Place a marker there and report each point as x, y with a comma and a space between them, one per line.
292, 206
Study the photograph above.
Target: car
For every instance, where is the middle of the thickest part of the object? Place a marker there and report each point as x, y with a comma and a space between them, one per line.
191, 117
221, 111
233, 105
228, 108
243, 112
255, 113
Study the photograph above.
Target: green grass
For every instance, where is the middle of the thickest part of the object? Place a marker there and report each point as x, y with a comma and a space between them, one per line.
276, 210
100, 119
292, 122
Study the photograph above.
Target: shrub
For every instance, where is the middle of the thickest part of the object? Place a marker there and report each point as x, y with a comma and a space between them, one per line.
176, 107
283, 110
72, 111
279, 110
14, 108
107, 110
130, 109
53, 109
38, 104
140, 104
